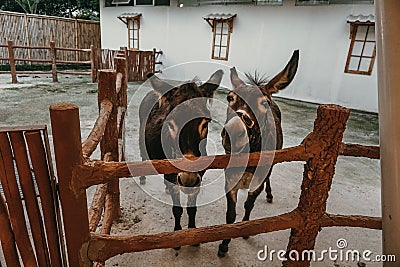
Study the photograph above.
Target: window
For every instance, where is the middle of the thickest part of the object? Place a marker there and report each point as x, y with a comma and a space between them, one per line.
132, 21
331, 2
222, 25
133, 32
362, 51
110, 3
152, 2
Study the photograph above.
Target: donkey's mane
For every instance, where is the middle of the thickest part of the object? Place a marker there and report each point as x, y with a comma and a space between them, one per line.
257, 78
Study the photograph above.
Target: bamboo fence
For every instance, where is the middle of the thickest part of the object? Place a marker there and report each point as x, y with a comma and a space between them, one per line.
39, 30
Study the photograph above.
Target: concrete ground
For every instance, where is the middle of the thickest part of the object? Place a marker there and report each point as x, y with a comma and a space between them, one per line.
145, 209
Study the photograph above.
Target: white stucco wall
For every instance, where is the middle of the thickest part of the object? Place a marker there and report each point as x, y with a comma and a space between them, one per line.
263, 38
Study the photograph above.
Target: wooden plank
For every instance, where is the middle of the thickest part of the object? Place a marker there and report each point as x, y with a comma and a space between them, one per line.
7, 237
32, 205
16, 210
22, 128
68, 152
38, 158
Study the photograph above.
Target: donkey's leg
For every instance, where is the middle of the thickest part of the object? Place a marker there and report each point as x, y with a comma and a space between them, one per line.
191, 211
268, 187
231, 198
249, 204
177, 210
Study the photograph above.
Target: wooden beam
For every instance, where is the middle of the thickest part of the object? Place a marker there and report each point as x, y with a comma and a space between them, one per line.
103, 247
97, 132
353, 150
98, 172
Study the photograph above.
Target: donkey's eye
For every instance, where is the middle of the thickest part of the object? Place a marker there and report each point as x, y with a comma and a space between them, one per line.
265, 103
229, 98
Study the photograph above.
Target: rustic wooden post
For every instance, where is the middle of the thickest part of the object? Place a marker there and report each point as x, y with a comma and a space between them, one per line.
109, 142
122, 102
68, 153
11, 59
317, 179
53, 56
92, 63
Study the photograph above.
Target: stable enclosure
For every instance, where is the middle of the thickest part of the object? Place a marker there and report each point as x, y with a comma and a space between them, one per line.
319, 149
76, 172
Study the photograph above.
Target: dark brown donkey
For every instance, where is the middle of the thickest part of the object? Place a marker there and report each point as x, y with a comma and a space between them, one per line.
253, 124
174, 124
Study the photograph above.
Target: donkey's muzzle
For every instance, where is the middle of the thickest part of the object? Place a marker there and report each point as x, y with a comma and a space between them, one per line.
234, 136
189, 179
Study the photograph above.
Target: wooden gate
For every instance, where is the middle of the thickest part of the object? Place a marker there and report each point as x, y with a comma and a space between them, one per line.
29, 221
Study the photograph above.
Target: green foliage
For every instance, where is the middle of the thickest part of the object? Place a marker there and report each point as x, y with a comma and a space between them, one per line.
85, 9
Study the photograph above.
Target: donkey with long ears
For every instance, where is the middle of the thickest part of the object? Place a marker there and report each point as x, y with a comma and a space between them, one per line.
174, 124
253, 124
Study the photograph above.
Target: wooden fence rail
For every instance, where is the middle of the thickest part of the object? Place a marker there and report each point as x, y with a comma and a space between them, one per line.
138, 63
320, 149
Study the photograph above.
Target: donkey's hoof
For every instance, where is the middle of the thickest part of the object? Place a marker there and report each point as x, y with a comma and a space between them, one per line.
246, 237
177, 248
142, 180
269, 199
221, 254
222, 250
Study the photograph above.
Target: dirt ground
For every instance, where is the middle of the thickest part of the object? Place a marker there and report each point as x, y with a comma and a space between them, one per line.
145, 209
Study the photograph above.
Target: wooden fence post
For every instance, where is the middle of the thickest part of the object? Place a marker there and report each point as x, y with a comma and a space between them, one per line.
317, 179
12, 62
122, 102
92, 63
68, 153
53, 56
109, 142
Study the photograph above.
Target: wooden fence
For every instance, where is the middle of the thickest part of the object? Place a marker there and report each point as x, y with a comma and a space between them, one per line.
320, 150
48, 249
37, 30
76, 172
138, 62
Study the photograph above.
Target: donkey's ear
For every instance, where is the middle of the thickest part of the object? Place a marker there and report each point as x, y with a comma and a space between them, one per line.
212, 84
235, 80
159, 85
284, 78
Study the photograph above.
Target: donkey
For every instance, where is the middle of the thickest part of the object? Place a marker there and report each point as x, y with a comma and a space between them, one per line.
173, 124
253, 124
